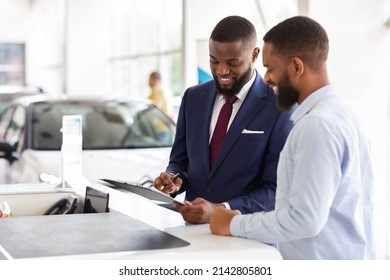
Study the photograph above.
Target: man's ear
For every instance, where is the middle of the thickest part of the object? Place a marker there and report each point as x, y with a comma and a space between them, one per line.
255, 54
298, 66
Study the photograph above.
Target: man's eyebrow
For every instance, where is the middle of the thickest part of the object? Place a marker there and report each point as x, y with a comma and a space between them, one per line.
232, 59
229, 60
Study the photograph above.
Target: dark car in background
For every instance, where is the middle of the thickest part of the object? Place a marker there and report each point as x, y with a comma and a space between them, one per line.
122, 138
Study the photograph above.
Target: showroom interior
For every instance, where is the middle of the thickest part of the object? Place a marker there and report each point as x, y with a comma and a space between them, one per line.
108, 48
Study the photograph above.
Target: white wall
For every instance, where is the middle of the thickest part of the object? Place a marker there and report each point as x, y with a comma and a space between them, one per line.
88, 47
44, 45
13, 14
68, 46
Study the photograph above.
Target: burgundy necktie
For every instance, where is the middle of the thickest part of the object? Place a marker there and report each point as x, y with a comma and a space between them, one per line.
221, 127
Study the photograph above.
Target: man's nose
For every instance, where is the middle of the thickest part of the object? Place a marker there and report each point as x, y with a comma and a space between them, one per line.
266, 77
223, 69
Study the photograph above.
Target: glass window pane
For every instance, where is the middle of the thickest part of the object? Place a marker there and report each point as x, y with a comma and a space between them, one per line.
146, 40
12, 63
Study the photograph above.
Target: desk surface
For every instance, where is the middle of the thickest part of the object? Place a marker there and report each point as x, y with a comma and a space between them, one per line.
201, 242
80, 234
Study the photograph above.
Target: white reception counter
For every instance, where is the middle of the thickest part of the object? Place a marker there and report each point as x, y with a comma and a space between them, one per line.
135, 228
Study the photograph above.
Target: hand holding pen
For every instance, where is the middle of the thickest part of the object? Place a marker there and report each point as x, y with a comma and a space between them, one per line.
168, 183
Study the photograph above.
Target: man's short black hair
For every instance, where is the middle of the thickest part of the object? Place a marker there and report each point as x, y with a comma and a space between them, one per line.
232, 29
300, 37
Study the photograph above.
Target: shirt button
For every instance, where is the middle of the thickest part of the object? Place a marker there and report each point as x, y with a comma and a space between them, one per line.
209, 189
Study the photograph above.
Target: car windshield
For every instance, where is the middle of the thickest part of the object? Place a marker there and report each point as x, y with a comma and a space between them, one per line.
106, 125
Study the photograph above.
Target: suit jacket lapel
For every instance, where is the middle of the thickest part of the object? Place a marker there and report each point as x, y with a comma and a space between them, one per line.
207, 102
251, 105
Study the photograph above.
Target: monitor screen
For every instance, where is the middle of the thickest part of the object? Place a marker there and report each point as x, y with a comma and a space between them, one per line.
95, 201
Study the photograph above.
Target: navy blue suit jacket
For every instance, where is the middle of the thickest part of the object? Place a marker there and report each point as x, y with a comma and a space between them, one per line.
244, 173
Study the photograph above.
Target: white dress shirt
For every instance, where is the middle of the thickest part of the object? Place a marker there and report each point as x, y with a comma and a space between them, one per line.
220, 101
324, 196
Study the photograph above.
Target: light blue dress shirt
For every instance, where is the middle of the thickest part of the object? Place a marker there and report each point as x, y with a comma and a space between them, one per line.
324, 198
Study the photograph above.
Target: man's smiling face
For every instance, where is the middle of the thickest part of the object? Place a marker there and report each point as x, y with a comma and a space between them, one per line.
231, 65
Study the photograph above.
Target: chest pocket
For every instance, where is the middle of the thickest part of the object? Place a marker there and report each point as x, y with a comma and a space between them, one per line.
252, 136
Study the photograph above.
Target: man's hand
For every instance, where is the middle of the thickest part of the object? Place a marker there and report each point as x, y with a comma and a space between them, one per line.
220, 220
198, 211
165, 183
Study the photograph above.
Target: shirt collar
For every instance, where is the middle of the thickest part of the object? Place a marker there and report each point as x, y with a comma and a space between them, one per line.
245, 89
311, 101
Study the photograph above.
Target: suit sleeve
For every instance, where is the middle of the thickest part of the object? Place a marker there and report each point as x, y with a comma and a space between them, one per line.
263, 198
178, 161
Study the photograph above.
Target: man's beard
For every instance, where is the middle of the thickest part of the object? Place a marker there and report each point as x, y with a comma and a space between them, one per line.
287, 95
237, 86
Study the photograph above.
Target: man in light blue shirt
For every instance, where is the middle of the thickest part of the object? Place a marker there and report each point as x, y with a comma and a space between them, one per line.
324, 198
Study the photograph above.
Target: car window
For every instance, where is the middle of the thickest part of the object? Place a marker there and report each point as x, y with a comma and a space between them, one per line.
109, 125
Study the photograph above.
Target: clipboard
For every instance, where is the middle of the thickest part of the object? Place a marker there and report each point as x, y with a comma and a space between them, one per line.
145, 191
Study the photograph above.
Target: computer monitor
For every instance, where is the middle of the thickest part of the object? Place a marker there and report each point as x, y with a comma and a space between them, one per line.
95, 201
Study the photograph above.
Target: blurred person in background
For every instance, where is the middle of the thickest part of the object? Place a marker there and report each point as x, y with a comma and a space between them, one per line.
157, 95
160, 98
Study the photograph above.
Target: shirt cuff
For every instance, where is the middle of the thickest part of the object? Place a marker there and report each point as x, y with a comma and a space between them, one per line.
235, 226
227, 206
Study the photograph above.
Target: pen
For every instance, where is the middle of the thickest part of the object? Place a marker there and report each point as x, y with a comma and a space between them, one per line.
173, 193
175, 176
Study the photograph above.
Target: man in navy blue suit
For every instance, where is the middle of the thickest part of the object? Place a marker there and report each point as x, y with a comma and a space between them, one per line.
243, 175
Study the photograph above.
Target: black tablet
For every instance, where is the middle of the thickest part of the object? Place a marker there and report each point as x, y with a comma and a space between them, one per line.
95, 201
145, 191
